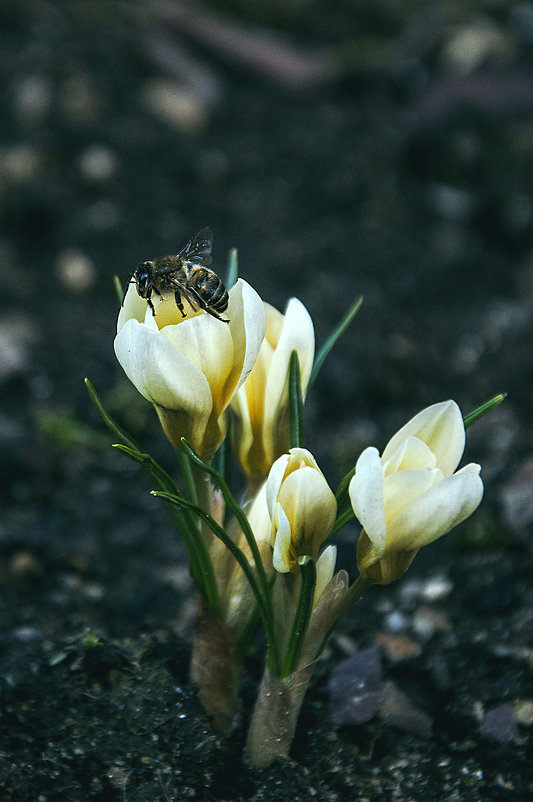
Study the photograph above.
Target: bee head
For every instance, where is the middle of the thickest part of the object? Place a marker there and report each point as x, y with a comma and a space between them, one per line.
143, 276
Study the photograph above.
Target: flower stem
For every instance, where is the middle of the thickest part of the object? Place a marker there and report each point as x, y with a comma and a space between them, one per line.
275, 715
216, 667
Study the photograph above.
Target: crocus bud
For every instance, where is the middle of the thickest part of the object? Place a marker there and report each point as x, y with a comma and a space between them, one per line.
190, 368
302, 509
261, 430
411, 495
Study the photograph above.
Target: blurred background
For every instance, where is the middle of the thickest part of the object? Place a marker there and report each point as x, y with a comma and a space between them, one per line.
377, 148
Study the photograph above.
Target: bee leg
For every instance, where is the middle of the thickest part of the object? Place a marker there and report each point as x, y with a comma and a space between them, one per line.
215, 314
150, 303
179, 304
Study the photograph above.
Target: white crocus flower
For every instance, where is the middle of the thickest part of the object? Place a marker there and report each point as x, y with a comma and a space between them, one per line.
411, 495
261, 431
190, 368
302, 509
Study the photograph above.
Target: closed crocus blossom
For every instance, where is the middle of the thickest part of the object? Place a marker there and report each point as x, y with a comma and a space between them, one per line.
261, 431
411, 495
302, 510
190, 368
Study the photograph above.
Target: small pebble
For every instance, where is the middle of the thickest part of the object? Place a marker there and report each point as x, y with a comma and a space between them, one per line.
427, 621
75, 270
523, 710
500, 724
398, 711
355, 688
397, 647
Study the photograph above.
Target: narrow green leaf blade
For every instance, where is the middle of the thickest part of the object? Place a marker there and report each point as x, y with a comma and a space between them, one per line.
332, 339
478, 413
302, 615
112, 425
342, 490
119, 289
236, 509
296, 404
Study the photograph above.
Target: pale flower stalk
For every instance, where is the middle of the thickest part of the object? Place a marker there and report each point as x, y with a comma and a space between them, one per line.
412, 494
302, 510
261, 417
190, 368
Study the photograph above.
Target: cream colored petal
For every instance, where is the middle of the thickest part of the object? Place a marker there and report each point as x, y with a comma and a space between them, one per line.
298, 335
310, 507
274, 325
413, 453
207, 343
249, 400
161, 373
325, 566
402, 488
435, 512
247, 324
133, 306
366, 496
300, 457
441, 427
275, 478
258, 516
282, 542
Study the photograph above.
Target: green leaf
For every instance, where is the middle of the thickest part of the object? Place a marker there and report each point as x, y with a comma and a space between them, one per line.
341, 520
342, 490
302, 614
332, 339
262, 599
237, 510
119, 289
201, 565
187, 475
222, 457
233, 269
197, 552
478, 413
114, 428
296, 404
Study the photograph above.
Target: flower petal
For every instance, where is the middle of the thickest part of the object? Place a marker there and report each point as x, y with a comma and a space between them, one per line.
435, 512
275, 478
282, 542
441, 427
207, 343
310, 506
298, 335
160, 373
325, 566
413, 453
366, 496
400, 489
133, 306
246, 313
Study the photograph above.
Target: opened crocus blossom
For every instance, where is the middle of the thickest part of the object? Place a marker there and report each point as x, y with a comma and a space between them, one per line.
411, 495
190, 368
261, 431
302, 510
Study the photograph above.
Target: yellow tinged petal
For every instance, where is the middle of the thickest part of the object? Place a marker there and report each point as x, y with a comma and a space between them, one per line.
441, 427
435, 512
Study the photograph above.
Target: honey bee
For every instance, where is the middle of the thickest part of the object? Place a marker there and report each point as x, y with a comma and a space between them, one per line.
187, 275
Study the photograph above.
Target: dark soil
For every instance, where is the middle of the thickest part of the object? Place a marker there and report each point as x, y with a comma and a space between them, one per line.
390, 155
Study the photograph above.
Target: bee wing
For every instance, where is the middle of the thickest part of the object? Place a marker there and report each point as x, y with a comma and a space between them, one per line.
198, 249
